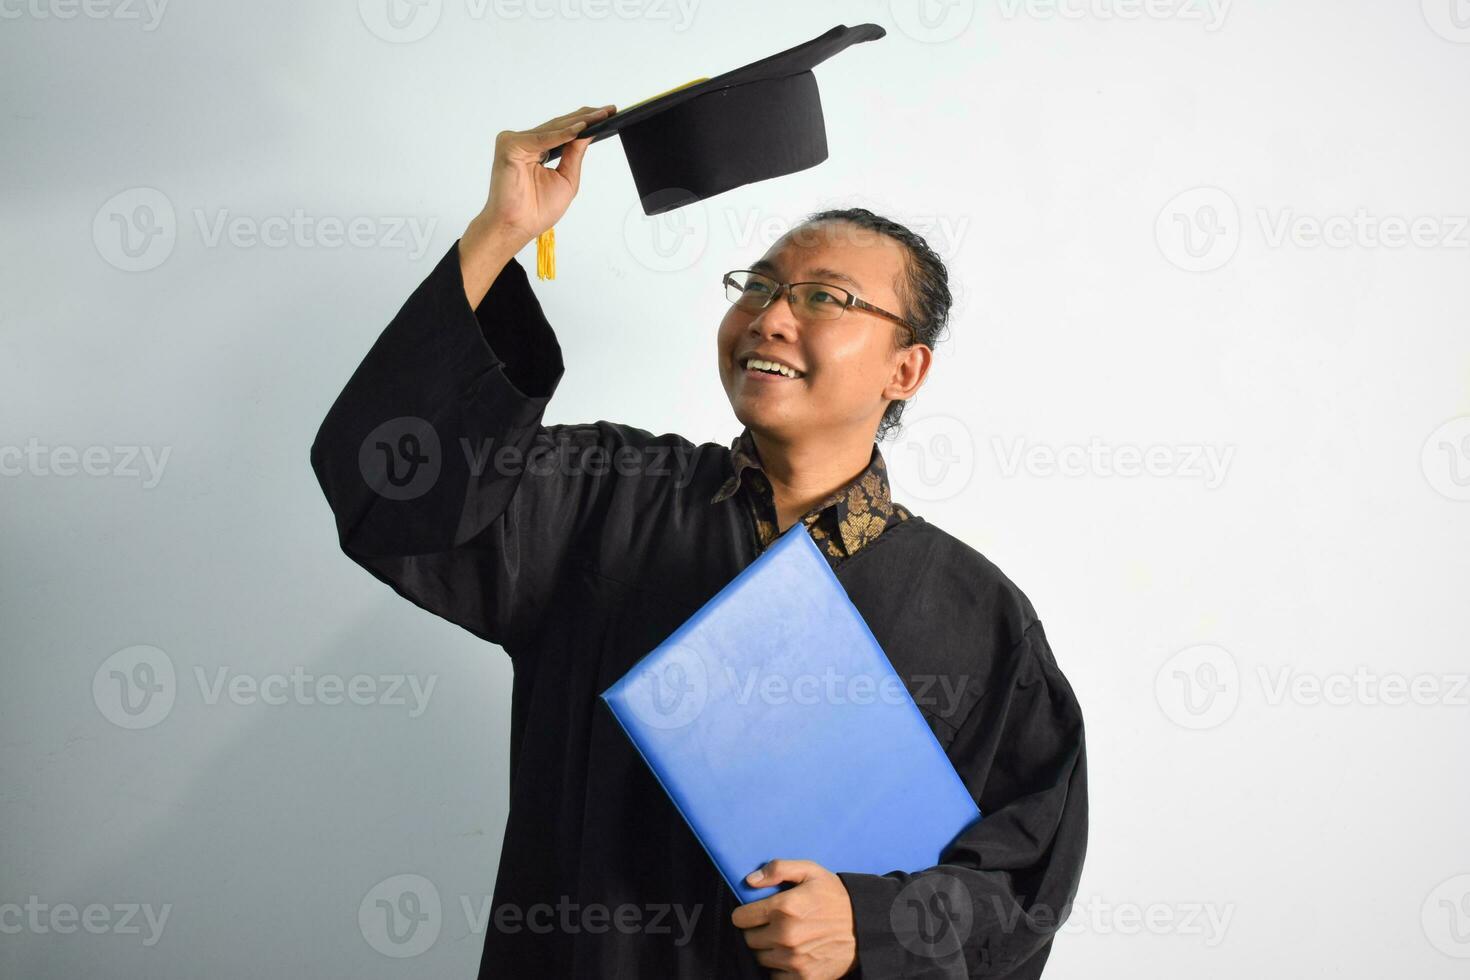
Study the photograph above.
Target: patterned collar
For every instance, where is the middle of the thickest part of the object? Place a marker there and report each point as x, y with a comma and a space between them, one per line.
845, 521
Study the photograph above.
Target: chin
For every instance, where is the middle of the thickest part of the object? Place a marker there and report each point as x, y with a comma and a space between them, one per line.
766, 422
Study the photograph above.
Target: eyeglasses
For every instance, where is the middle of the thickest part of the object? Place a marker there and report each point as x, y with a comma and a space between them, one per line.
753, 292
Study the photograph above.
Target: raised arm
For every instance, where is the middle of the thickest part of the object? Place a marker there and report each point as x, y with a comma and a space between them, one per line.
426, 456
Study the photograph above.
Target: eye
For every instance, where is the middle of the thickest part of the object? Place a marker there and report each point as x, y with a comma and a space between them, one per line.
756, 286
823, 298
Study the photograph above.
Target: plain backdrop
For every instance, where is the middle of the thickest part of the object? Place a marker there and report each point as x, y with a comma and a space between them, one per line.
1206, 399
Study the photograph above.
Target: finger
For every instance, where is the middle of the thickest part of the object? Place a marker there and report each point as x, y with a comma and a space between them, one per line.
759, 913
557, 122
545, 138
776, 959
587, 113
784, 869
542, 141
538, 146
770, 937
753, 913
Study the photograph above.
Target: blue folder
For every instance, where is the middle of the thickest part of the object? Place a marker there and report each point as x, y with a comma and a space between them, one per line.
777, 726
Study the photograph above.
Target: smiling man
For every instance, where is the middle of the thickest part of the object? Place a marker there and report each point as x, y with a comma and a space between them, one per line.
578, 548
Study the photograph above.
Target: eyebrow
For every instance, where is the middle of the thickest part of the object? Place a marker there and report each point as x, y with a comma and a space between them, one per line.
762, 265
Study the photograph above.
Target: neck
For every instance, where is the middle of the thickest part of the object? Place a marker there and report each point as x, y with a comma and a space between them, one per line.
804, 472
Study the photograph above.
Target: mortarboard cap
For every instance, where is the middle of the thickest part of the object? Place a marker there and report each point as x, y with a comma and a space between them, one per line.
712, 135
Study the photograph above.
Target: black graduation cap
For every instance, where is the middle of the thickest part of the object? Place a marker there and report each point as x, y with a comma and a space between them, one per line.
712, 135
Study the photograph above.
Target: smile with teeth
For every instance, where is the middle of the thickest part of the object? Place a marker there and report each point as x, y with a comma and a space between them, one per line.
771, 367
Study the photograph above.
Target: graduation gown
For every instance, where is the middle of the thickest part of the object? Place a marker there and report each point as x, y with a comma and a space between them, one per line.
447, 485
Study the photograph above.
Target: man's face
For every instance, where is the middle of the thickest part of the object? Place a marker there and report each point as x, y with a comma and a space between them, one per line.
849, 367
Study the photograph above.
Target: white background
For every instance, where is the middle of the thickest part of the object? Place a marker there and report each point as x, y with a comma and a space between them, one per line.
1125, 195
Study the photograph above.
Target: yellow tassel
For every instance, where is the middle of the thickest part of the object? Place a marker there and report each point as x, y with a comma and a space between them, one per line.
546, 254
546, 241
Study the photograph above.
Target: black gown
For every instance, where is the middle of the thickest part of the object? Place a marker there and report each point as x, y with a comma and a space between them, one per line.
438, 468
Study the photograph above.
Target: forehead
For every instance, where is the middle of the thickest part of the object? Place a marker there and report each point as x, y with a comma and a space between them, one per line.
837, 252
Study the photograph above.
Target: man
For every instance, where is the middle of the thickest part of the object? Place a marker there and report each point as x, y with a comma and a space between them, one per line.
578, 548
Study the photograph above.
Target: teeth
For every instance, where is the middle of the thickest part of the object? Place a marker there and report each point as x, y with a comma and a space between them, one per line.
761, 365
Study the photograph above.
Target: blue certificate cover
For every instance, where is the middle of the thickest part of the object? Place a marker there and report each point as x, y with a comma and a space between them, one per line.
778, 727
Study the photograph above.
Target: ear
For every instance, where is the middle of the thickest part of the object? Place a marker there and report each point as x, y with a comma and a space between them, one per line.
910, 368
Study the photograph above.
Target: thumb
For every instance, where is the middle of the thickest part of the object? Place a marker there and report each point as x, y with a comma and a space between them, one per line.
570, 165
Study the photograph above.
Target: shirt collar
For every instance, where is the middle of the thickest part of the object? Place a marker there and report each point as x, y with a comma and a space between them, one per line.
858, 511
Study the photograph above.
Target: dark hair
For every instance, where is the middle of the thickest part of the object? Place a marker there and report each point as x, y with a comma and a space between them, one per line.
923, 289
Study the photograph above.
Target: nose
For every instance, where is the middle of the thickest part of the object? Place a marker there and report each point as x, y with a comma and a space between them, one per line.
777, 319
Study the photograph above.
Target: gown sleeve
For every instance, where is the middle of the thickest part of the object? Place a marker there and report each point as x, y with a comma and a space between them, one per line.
1004, 886
442, 478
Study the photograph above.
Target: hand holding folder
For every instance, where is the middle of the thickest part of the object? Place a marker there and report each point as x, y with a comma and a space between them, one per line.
777, 726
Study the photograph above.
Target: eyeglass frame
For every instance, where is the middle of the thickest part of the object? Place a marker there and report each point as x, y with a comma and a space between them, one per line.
853, 302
